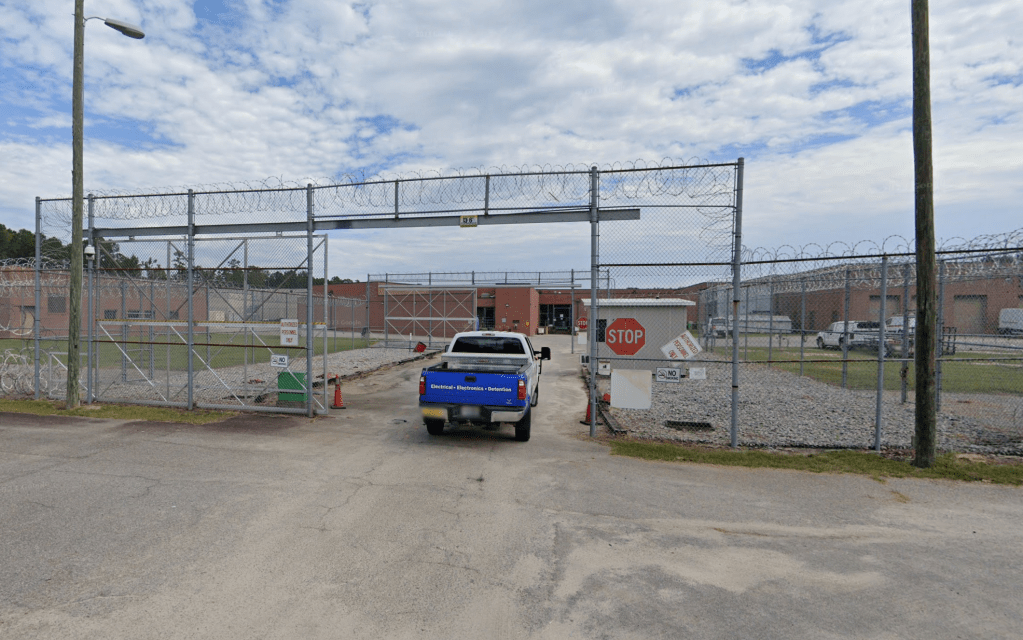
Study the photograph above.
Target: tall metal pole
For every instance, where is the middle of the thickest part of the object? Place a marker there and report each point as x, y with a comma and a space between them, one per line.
926, 408
736, 283
594, 307
74, 320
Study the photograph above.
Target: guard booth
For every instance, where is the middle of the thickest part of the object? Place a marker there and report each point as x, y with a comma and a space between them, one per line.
631, 331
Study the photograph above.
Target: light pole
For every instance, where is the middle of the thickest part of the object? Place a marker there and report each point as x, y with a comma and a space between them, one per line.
77, 192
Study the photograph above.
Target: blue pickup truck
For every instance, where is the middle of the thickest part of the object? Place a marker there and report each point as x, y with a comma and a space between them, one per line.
484, 377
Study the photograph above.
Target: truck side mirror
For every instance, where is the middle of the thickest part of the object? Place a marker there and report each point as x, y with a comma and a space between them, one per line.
545, 353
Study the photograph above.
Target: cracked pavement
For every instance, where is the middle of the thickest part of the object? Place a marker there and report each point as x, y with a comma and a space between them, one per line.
360, 525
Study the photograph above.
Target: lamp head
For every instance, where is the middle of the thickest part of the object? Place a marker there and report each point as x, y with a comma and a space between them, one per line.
127, 29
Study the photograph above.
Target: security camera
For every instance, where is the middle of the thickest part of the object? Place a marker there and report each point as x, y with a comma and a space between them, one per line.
90, 251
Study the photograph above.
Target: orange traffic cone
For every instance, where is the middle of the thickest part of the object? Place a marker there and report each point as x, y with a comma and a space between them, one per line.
339, 402
589, 414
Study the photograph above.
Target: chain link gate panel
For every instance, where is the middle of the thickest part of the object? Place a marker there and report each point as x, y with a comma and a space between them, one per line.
431, 315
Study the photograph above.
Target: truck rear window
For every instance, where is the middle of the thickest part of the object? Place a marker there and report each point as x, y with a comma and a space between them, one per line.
487, 344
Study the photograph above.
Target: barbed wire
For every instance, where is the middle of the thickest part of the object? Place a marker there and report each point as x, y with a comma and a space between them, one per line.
828, 266
515, 188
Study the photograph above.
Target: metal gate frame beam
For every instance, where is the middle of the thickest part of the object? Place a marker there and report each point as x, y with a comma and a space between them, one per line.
321, 224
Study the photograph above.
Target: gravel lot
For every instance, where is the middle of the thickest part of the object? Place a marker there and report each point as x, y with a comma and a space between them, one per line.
780, 409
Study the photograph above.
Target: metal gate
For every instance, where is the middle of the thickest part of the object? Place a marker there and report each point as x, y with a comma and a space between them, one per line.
427, 314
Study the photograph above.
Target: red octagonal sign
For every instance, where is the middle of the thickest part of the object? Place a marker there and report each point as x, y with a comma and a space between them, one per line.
625, 336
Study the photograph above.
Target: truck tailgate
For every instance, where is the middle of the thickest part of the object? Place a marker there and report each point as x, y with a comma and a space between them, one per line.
491, 389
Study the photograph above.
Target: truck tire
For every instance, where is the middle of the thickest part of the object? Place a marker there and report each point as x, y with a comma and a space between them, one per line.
434, 427
522, 427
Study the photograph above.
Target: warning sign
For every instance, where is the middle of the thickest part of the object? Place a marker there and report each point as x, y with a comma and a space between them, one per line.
289, 333
683, 347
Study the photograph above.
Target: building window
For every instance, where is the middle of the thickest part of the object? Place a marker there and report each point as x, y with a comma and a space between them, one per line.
56, 304
110, 314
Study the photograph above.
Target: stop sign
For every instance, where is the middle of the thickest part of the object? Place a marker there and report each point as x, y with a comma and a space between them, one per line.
625, 336
582, 323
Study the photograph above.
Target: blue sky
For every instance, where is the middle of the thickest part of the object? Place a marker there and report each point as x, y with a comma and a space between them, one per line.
815, 95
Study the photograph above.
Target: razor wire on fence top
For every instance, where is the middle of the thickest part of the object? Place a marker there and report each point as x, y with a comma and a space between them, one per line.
160, 262
659, 274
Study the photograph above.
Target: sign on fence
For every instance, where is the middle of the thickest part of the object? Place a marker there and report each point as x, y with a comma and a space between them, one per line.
682, 347
626, 336
668, 374
289, 333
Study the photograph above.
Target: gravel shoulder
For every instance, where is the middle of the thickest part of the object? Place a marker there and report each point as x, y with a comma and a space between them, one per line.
781, 409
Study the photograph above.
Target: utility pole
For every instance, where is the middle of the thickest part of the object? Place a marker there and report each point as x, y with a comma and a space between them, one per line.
74, 329
926, 299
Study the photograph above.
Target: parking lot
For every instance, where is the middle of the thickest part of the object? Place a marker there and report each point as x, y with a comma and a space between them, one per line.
360, 525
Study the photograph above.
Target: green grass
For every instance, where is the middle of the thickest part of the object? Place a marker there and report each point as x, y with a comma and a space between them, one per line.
963, 372
226, 350
947, 466
116, 411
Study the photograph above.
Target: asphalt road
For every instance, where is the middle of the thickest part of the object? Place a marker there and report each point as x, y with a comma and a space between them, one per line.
360, 525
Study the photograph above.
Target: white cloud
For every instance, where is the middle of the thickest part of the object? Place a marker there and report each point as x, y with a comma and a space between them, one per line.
815, 95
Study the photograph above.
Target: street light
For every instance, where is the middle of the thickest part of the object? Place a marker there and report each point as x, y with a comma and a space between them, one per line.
77, 191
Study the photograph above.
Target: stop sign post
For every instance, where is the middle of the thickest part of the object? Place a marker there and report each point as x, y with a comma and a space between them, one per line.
625, 336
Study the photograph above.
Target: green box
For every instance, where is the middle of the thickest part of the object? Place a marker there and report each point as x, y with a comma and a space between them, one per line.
287, 381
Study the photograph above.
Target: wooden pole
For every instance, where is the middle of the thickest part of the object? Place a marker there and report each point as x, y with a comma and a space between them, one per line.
926, 299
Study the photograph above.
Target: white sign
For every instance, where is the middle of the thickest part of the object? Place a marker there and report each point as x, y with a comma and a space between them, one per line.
469, 221
289, 333
698, 373
668, 374
683, 347
280, 361
631, 389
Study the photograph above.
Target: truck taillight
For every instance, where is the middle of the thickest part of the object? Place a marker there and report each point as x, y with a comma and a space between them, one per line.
422, 385
522, 389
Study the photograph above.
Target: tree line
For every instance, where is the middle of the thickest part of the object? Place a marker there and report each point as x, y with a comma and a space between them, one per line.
20, 244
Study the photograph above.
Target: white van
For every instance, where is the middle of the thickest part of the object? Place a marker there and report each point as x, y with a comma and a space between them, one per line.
1010, 321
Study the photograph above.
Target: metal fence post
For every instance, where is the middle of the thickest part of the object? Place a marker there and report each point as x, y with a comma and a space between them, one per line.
745, 335
881, 353
904, 368
38, 291
736, 282
309, 349
594, 307
191, 315
802, 326
941, 336
770, 322
845, 332
571, 318
90, 344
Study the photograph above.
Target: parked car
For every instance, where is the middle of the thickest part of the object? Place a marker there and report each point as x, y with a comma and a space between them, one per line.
718, 327
894, 329
858, 334
1010, 321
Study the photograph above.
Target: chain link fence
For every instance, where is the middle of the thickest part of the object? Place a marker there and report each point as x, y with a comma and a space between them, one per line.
191, 293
